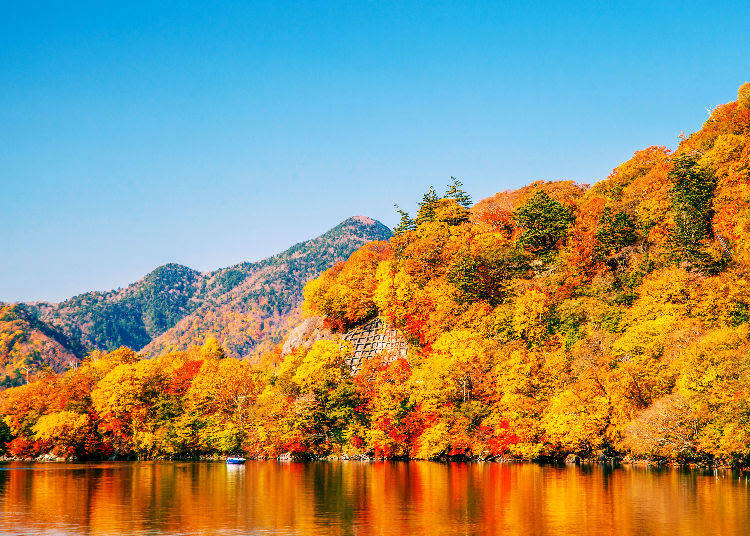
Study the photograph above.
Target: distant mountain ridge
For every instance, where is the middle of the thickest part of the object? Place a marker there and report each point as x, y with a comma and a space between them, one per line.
261, 300
28, 344
246, 306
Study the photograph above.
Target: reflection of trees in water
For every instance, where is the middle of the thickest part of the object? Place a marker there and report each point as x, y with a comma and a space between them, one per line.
369, 498
4, 478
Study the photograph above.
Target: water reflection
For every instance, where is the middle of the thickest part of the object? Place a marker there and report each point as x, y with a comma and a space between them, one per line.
363, 498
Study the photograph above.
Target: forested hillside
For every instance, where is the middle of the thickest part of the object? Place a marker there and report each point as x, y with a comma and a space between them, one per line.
259, 302
603, 321
131, 316
29, 347
248, 307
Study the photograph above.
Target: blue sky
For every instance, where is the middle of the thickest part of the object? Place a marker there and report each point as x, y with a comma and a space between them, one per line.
208, 133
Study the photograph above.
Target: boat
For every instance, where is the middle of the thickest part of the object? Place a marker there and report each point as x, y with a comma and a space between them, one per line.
235, 461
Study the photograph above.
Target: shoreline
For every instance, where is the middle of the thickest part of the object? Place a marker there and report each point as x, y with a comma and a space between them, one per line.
581, 462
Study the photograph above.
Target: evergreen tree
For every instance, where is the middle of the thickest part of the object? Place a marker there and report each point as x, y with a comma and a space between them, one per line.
615, 231
455, 191
426, 211
405, 224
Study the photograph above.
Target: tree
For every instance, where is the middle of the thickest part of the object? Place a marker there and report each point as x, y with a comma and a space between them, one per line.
544, 222
405, 224
455, 370
691, 196
383, 387
211, 349
5, 435
615, 231
123, 399
323, 398
455, 191
66, 431
426, 211
483, 275
743, 95
714, 380
344, 293
530, 314
666, 430
216, 405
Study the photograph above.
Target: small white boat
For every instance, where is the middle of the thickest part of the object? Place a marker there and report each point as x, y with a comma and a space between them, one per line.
235, 461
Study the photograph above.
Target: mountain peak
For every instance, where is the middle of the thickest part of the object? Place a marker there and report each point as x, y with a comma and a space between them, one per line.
249, 306
258, 303
170, 272
362, 227
364, 220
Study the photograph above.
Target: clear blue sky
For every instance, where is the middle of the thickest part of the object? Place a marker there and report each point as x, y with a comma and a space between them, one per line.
208, 133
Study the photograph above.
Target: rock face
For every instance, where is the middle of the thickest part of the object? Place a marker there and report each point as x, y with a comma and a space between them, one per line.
307, 333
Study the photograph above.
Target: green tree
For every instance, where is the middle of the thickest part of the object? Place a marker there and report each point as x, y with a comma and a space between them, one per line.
455, 191
405, 224
5, 435
544, 222
615, 231
426, 211
484, 275
691, 197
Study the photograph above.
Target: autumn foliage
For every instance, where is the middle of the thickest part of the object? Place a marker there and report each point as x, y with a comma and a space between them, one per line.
609, 320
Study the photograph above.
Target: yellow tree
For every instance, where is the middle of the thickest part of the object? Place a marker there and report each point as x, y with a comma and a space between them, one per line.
530, 314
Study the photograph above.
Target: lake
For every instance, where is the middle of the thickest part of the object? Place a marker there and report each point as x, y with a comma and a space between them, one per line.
414, 498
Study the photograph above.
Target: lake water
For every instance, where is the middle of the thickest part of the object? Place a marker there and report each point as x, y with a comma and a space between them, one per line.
415, 498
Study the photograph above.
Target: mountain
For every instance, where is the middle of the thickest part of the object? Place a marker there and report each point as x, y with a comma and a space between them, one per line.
127, 317
28, 345
260, 302
247, 306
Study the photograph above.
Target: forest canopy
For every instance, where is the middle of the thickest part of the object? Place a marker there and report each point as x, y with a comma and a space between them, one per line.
603, 321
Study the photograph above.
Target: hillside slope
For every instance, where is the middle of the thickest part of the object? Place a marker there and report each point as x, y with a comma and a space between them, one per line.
262, 303
244, 305
560, 318
28, 346
131, 316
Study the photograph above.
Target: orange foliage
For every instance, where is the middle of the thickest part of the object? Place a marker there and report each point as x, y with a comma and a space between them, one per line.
600, 342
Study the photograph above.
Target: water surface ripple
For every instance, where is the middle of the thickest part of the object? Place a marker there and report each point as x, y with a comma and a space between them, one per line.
414, 498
